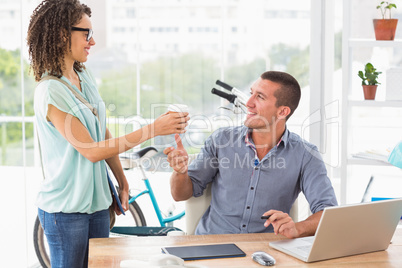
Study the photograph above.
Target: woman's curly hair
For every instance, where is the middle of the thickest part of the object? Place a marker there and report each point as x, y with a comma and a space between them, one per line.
49, 35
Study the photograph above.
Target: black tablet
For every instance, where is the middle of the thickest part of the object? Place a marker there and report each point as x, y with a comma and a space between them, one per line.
205, 251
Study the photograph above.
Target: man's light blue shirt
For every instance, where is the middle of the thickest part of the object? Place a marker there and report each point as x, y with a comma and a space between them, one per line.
243, 188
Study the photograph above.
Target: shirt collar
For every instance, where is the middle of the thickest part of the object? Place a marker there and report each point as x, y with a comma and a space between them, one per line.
249, 142
285, 138
247, 136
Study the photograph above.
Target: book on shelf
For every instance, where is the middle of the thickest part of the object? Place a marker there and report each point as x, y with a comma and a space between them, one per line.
379, 155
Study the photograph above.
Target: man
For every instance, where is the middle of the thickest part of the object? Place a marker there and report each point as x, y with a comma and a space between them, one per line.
256, 169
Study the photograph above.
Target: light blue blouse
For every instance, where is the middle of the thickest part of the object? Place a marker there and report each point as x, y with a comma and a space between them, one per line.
72, 183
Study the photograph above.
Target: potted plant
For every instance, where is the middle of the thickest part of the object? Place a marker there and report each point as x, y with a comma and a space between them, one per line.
385, 28
369, 81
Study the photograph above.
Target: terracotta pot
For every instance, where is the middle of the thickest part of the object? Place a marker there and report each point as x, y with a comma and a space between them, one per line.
369, 92
385, 29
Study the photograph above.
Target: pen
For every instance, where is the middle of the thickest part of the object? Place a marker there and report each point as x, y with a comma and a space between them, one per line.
265, 217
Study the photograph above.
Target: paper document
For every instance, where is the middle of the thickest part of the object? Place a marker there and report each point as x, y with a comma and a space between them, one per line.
379, 155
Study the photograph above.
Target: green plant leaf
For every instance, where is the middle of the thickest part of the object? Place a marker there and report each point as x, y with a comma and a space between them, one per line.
369, 68
370, 75
360, 74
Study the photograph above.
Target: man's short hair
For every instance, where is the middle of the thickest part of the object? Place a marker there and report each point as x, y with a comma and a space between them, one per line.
289, 93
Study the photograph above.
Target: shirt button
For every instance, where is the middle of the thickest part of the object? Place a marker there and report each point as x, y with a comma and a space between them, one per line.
248, 207
256, 168
244, 225
252, 188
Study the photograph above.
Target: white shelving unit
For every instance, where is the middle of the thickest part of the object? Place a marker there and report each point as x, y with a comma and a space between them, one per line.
365, 103
350, 104
353, 42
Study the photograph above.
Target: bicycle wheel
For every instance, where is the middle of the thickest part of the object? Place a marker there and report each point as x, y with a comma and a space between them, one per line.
135, 217
134, 212
40, 244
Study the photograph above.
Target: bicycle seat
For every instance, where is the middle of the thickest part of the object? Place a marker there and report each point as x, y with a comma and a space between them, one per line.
134, 159
146, 152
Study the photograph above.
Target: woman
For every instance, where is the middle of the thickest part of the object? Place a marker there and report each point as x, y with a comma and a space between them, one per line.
74, 199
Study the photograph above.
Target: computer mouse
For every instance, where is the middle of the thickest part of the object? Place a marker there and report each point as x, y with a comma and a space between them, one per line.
166, 260
263, 258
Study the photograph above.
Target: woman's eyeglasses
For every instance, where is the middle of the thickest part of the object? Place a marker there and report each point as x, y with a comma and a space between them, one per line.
90, 32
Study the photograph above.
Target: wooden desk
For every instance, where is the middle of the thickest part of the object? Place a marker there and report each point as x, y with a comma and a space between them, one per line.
108, 252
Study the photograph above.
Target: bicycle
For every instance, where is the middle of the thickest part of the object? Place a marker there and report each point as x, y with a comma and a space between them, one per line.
135, 161
125, 225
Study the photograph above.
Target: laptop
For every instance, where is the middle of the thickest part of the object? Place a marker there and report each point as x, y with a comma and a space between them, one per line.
347, 230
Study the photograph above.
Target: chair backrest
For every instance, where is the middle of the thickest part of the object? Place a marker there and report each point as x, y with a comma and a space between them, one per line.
195, 207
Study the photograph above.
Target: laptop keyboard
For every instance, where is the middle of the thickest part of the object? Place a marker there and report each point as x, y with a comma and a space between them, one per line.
305, 248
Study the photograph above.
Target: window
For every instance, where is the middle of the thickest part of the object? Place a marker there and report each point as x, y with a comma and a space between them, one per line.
155, 52
131, 13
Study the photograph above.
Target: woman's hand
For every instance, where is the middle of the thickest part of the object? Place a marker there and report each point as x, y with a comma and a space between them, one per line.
170, 123
123, 196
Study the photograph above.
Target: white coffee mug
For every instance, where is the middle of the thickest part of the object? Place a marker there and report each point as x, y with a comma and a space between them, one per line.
178, 108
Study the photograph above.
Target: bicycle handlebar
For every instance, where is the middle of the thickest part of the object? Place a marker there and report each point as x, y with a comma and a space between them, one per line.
236, 97
230, 97
224, 85
241, 97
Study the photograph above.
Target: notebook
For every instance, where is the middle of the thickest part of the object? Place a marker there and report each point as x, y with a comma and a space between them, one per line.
205, 251
114, 193
347, 230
